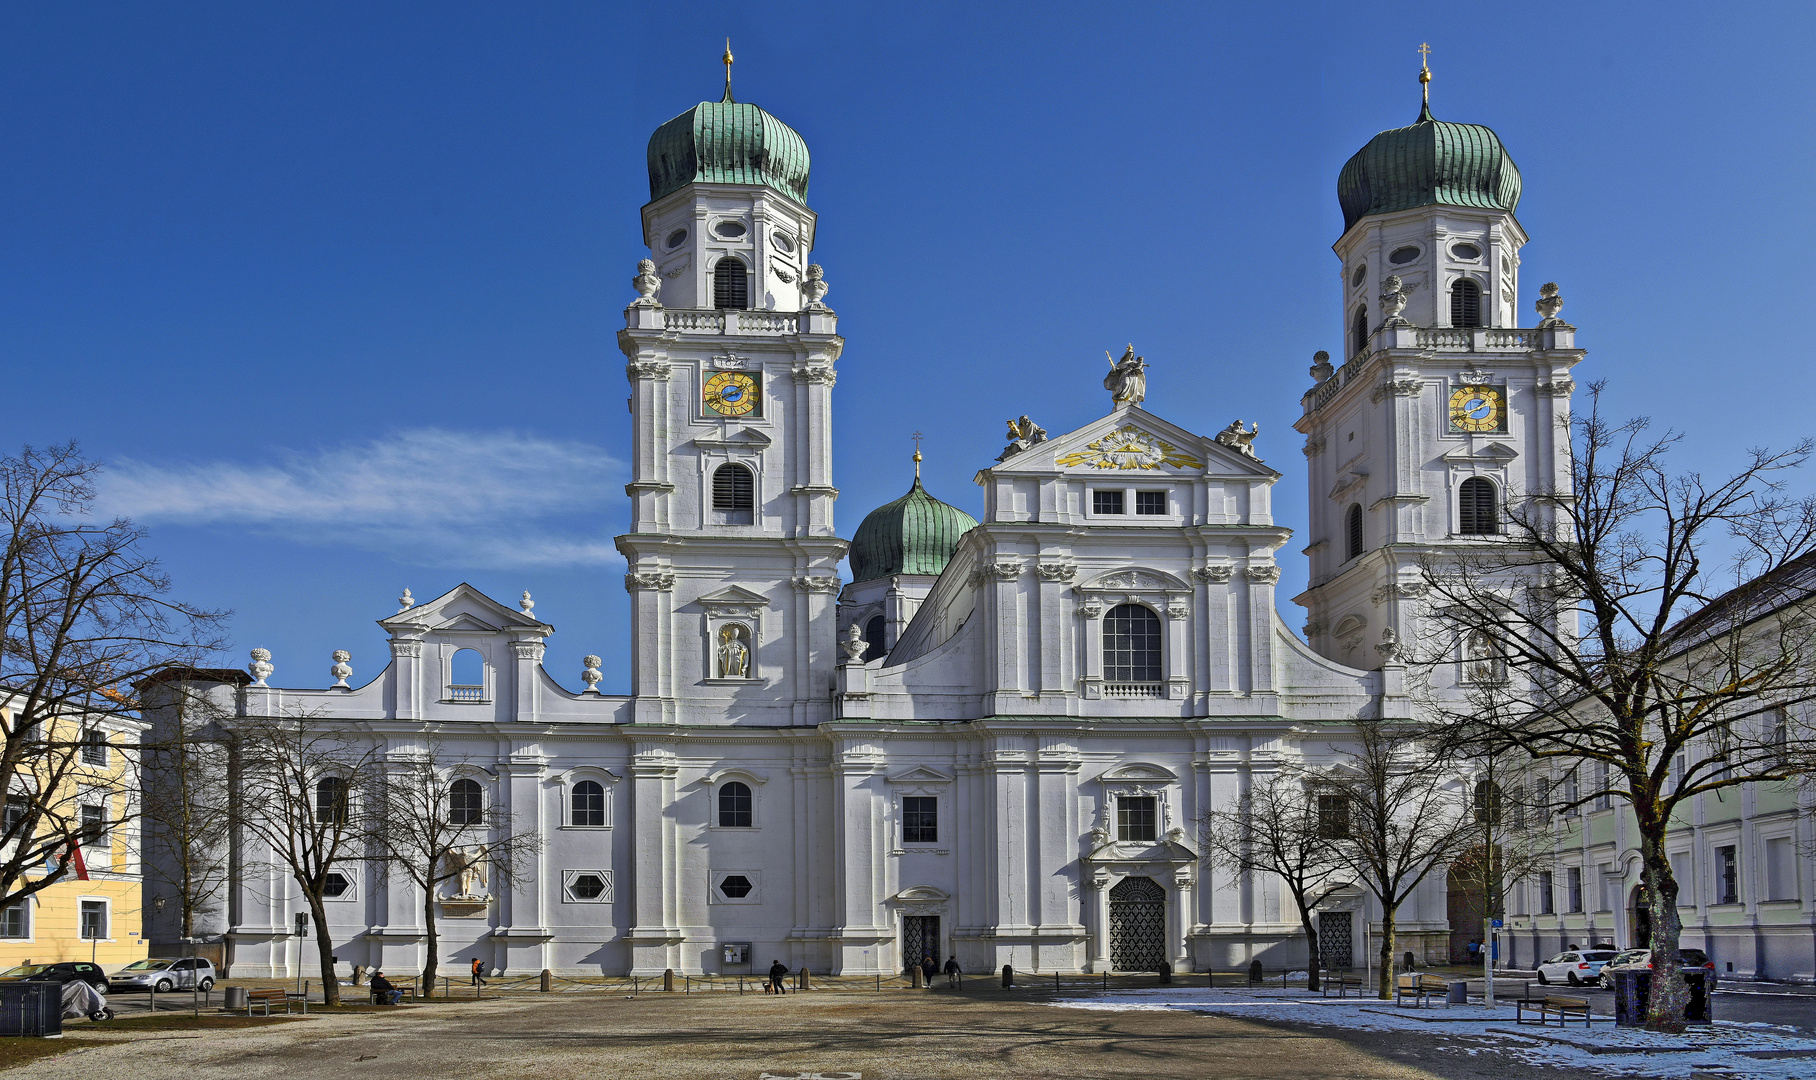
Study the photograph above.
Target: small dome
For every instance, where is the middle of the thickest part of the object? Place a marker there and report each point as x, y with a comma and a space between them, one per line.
915, 534
727, 142
1431, 163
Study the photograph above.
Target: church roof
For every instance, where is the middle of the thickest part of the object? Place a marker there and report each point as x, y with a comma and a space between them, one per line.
1431, 163
915, 534
727, 142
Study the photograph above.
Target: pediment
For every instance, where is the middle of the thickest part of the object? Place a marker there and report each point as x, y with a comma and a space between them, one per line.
1131, 441
746, 439
1348, 481
732, 594
463, 609
1139, 771
1494, 453
922, 894
1134, 579
467, 622
920, 774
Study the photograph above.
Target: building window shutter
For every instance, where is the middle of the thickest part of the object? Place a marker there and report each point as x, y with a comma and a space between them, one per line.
1476, 511
732, 488
731, 285
1465, 303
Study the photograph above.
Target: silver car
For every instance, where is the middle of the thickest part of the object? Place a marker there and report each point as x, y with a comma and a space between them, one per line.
163, 975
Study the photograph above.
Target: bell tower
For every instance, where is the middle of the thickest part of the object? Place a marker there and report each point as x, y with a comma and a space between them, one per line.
732, 558
1442, 405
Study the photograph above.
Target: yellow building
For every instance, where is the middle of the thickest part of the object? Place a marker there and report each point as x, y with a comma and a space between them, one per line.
97, 919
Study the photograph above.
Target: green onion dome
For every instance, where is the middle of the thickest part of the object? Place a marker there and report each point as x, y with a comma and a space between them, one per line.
727, 142
1431, 163
915, 534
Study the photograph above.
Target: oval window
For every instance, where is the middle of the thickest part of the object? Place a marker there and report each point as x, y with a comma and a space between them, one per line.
1402, 256
1466, 251
784, 244
730, 230
1356, 278
675, 238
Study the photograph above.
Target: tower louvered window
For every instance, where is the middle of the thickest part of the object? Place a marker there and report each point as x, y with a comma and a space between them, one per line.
1360, 332
1353, 547
732, 487
731, 285
1465, 303
1476, 511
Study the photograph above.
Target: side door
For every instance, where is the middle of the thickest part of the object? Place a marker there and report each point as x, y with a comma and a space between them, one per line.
183, 971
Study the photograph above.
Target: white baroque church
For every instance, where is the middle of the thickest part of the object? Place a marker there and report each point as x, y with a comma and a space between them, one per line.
995, 741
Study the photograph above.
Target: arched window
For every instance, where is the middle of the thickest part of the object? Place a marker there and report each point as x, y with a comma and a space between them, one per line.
873, 638
1465, 303
466, 803
731, 285
587, 804
1476, 512
734, 805
733, 488
1131, 645
331, 800
1359, 334
1353, 532
466, 676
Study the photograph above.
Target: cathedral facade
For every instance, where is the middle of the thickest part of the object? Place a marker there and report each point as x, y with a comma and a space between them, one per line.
997, 740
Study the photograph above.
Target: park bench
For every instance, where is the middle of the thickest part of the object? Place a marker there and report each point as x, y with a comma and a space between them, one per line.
407, 985
1342, 983
275, 995
1552, 1005
1421, 988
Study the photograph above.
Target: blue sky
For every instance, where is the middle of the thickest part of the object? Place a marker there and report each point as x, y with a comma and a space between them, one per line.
332, 288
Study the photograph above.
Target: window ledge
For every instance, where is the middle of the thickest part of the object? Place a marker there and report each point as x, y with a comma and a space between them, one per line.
735, 828
586, 828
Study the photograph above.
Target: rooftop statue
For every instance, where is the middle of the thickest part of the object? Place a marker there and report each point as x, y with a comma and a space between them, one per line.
1243, 442
1127, 381
1023, 435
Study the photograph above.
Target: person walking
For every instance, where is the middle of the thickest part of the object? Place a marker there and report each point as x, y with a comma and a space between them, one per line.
929, 968
478, 979
952, 971
777, 972
1475, 950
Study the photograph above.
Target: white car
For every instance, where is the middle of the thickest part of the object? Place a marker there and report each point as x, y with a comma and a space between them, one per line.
164, 976
1576, 967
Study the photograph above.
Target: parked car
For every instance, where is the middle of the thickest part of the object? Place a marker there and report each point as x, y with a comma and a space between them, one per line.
164, 975
1576, 966
1693, 960
68, 971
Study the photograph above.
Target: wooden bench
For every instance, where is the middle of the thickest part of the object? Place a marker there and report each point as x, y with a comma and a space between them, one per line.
407, 985
1552, 1005
1421, 988
1341, 983
275, 995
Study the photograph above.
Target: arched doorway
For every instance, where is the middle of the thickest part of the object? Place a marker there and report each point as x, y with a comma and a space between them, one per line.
1639, 919
1470, 888
1138, 919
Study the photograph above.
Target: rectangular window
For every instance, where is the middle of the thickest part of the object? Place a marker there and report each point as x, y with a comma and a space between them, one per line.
1781, 868
16, 807
1681, 871
13, 922
1573, 888
1679, 765
94, 747
1727, 876
1571, 795
1137, 817
1333, 817
94, 920
1150, 502
1603, 801
1106, 502
1547, 905
920, 819
94, 824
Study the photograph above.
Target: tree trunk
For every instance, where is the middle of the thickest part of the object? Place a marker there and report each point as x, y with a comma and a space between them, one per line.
1311, 943
1384, 982
1670, 995
433, 954
324, 950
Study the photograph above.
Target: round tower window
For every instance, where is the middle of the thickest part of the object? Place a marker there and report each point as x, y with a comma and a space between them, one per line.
784, 244
1402, 256
1361, 272
730, 230
675, 238
1466, 251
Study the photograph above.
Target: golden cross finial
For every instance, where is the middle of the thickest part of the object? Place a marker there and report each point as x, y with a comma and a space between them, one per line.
917, 437
727, 60
1424, 71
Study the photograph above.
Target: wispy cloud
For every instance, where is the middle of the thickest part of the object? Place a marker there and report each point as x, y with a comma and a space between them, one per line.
485, 500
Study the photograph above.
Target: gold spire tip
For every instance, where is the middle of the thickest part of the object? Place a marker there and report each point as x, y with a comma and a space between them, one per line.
726, 59
917, 437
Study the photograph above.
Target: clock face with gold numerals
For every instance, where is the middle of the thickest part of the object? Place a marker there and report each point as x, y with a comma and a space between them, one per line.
730, 393
1478, 408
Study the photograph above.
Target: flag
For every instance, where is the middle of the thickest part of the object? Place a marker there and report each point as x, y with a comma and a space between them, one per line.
75, 852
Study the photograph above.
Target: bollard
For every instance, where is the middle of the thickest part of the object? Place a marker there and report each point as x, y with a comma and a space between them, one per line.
1255, 976
914, 977
1008, 976
806, 978
668, 980
1056, 980
547, 982
1166, 974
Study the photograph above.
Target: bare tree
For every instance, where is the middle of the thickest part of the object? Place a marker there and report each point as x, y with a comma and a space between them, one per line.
188, 814
1652, 622
436, 826
1278, 829
309, 794
1406, 818
85, 616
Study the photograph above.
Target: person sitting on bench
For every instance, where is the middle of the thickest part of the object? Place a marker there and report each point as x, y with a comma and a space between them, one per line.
384, 991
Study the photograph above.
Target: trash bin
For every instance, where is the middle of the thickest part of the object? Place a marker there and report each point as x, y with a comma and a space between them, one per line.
1459, 993
1633, 991
31, 1008
234, 997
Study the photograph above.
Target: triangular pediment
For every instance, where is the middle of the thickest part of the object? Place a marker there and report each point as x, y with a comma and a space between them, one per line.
466, 621
1132, 441
733, 594
1494, 453
920, 774
463, 609
746, 439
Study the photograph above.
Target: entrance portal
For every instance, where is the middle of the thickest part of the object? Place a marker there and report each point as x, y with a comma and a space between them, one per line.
1639, 920
1138, 921
920, 937
1336, 939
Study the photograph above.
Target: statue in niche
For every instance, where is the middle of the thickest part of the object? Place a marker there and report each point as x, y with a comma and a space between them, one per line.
1478, 658
734, 652
1024, 434
1127, 381
468, 864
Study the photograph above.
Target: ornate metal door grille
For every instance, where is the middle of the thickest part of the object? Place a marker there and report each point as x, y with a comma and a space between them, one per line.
1138, 916
1336, 940
920, 937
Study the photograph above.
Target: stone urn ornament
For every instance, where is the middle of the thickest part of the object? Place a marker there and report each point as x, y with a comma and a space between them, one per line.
813, 286
1321, 369
591, 675
260, 667
1394, 294
341, 669
1549, 304
854, 644
647, 283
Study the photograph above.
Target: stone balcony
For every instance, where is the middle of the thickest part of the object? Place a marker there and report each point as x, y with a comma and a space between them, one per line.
1483, 341
731, 322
